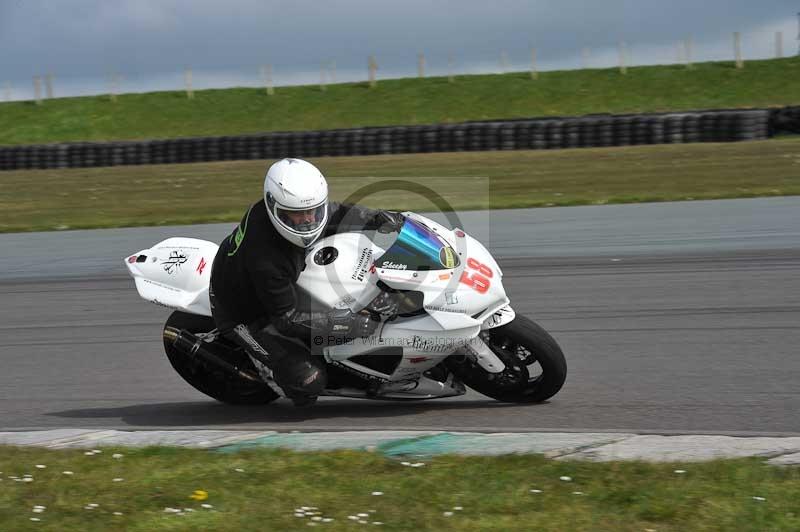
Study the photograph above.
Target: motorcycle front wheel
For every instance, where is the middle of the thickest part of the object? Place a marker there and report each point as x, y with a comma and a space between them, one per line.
535, 366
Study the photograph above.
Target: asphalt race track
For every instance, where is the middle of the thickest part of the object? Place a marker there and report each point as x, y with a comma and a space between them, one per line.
674, 317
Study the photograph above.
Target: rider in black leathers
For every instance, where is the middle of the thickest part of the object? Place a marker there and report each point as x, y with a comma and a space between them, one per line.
254, 275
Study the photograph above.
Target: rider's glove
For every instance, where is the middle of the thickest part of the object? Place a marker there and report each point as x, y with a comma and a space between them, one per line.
390, 221
385, 304
344, 322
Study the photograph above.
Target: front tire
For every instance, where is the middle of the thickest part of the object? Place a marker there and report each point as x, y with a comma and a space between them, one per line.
214, 382
535, 366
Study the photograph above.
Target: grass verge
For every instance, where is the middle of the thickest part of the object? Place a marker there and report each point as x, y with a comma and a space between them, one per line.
260, 490
765, 83
219, 192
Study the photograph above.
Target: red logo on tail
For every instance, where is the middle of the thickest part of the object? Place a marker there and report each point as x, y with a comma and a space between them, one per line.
201, 266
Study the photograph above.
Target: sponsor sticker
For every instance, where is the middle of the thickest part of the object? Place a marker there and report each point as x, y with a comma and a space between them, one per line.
363, 375
160, 285
389, 265
446, 257
131, 259
364, 260
447, 308
160, 304
201, 266
174, 262
430, 344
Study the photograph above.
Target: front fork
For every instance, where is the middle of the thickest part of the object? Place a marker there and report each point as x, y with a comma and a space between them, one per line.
480, 353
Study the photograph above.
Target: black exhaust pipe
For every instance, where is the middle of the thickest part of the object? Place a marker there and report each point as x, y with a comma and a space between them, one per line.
193, 347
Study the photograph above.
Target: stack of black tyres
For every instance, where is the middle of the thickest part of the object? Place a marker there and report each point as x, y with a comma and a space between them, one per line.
545, 133
753, 125
784, 120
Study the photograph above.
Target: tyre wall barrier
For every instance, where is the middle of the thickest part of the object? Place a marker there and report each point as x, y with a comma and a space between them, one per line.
784, 120
516, 134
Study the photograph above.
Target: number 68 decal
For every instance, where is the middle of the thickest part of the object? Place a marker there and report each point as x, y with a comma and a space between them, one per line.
478, 280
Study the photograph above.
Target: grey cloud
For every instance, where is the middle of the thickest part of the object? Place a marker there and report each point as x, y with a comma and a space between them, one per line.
85, 38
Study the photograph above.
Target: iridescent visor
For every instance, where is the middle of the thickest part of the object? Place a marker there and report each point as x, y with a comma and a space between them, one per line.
418, 248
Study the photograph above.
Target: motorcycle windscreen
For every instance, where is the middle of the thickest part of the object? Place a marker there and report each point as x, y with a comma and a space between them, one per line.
418, 248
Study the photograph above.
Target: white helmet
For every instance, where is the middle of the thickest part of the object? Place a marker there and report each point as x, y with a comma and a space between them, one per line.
296, 195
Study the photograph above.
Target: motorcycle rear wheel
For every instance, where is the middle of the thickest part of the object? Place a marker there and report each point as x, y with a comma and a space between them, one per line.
535, 365
211, 381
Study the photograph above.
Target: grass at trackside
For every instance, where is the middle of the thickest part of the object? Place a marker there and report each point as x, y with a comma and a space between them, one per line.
217, 192
260, 490
763, 83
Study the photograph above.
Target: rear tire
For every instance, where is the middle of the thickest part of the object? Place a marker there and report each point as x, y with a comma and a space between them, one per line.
522, 345
215, 383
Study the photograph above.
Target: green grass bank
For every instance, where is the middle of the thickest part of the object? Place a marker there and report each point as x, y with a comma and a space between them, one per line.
762, 83
126, 196
181, 489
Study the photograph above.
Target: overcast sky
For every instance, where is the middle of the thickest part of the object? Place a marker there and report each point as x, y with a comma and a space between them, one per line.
151, 42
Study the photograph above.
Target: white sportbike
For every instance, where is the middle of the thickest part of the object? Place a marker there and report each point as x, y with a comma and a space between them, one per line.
445, 320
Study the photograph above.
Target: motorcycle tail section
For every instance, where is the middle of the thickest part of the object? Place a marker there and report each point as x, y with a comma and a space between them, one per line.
175, 273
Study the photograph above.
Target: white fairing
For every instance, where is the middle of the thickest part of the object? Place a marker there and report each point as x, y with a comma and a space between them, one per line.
450, 300
175, 273
456, 310
341, 278
343, 271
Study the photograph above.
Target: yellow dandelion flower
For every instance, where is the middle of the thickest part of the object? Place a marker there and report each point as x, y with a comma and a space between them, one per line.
199, 495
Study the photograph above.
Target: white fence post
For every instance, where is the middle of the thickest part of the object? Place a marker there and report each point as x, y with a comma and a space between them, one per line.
779, 44
187, 78
450, 77
48, 86
504, 64
266, 77
534, 72
420, 65
37, 89
623, 68
372, 66
113, 88
737, 49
